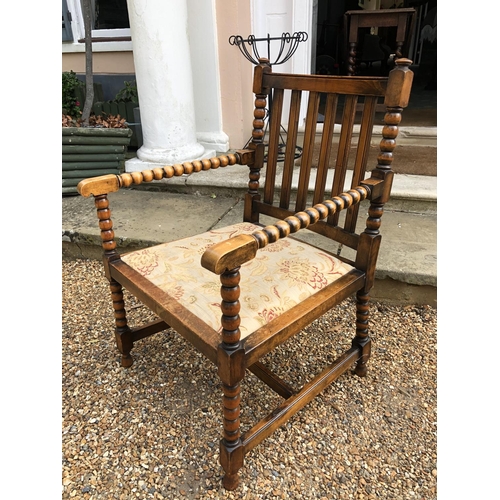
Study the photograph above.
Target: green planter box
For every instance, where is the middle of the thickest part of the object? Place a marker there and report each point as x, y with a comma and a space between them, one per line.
90, 152
125, 110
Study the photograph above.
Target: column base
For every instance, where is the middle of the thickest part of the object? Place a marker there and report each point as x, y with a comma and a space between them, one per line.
136, 164
217, 140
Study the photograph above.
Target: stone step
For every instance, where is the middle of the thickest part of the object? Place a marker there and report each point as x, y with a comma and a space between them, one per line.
408, 159
415, 165
410, 193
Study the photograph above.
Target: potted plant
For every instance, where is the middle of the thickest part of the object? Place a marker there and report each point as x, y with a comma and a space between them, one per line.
91, 145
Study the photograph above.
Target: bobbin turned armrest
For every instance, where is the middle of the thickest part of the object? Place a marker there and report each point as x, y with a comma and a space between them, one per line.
240, 249
110, 183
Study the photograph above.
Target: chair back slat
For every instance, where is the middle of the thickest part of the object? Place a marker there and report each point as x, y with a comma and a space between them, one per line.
344, 149
307, 151
322, 168
362, 152
290, 150
274, 144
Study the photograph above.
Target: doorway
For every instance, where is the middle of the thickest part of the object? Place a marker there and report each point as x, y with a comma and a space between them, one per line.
330, 52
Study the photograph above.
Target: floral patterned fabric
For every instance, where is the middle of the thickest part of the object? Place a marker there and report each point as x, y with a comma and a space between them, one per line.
282, 275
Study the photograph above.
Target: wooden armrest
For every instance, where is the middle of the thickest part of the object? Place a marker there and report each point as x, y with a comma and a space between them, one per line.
230, 253
236, 251
110, 183
99, 185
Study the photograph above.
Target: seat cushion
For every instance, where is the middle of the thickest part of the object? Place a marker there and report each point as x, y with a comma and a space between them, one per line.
281, 275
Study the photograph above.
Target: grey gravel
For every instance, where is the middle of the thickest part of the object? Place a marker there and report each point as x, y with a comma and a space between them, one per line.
152, 431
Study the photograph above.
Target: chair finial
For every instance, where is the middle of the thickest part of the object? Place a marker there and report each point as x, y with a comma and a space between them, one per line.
403, 61
399, 85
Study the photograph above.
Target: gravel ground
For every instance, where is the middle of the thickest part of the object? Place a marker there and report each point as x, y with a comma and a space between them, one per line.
152, 431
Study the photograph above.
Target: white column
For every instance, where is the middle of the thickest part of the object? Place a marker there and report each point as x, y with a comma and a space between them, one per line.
162, 62
206, 81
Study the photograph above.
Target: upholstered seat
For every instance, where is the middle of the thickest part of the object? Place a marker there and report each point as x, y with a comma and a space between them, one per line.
281, 276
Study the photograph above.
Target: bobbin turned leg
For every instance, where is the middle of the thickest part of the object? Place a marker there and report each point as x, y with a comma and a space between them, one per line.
231, 447
362, 340
231, 369
123, 334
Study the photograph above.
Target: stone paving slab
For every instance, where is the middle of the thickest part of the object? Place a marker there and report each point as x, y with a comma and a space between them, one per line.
142, 218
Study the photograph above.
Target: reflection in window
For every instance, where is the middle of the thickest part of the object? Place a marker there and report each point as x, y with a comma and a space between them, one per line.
110, 14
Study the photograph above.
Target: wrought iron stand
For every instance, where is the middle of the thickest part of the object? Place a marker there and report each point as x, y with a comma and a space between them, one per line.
287, 47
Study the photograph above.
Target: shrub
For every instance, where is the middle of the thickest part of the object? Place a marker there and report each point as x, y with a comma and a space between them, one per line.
70, 104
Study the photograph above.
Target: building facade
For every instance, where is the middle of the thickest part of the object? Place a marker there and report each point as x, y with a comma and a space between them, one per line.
179, 54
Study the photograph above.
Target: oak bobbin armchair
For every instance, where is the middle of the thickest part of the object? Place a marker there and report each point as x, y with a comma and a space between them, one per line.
272, 285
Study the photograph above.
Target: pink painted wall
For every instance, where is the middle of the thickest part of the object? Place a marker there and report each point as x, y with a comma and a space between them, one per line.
236, 73
106, 63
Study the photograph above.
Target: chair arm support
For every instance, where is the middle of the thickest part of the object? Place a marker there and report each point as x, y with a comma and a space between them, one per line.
105, 184
379, 184
236, 251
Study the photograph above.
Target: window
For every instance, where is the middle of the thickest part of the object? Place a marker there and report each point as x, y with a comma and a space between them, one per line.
109, 20
67, 34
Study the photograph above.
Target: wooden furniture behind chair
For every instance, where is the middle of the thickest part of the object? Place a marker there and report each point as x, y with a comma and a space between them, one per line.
402, 19
232, 325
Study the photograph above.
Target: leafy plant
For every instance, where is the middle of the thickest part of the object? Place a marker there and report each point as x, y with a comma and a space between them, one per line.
70, 104
128, 93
